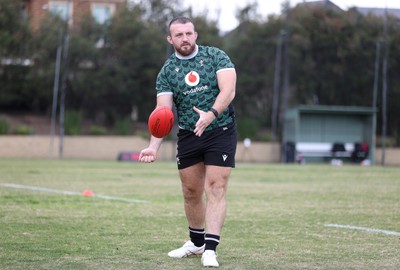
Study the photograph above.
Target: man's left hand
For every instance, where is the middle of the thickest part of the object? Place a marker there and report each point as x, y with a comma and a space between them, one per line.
204, 121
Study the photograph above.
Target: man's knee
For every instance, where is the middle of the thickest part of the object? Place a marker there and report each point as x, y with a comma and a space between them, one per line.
192, 194
216, 189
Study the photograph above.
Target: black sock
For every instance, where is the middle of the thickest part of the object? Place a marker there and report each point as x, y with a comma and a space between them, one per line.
197, 236
211, 241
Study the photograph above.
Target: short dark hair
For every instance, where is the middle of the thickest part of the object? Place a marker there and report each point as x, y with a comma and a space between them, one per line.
179, 19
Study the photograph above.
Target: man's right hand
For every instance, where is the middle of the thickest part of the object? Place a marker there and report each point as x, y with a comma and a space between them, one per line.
148, 155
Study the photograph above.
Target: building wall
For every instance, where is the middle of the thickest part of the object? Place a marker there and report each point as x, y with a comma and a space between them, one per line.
36, 12
38, 9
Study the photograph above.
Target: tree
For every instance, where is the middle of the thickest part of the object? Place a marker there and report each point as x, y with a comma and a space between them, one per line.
328, 48
331, 60
14, 56
112, 67
252, 49
122, 73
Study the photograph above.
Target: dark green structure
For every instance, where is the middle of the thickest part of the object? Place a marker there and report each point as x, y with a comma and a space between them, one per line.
316, 133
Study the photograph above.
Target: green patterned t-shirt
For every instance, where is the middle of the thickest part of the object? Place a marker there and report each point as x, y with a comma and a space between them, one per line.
192, 81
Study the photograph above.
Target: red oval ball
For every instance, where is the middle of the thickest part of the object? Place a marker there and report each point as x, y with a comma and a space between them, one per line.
161, 121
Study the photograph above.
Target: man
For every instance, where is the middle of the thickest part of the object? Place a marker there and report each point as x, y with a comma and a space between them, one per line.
201, 82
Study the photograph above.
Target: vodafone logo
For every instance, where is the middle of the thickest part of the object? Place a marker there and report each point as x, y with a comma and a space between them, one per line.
192, 78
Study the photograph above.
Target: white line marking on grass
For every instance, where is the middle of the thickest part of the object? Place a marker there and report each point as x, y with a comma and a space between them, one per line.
120, 199
71, 193
363, 229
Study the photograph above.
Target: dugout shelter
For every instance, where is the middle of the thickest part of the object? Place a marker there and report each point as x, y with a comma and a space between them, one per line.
321, 133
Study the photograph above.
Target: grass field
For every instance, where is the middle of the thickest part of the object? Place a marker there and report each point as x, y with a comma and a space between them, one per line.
278, 217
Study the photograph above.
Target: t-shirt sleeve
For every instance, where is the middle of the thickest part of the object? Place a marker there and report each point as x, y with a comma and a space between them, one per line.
162, 85
222, 60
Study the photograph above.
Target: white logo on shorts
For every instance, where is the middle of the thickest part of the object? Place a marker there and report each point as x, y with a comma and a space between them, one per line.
224, 157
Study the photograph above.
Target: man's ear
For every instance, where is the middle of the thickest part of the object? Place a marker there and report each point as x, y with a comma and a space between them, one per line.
169, 39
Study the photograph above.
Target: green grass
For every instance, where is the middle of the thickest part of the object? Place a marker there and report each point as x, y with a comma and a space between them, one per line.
276, 217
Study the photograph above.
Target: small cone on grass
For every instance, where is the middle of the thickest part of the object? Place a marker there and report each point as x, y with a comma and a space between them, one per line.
87, 193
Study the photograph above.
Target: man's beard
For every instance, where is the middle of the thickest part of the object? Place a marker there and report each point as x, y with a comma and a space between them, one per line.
186, 52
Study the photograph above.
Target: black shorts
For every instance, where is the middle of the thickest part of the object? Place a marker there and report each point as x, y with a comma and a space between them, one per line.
215, 147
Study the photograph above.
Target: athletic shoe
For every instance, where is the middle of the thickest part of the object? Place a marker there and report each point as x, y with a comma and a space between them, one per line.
209, 259
187, 249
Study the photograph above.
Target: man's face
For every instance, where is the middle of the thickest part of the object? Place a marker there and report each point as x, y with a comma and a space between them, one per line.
183, 38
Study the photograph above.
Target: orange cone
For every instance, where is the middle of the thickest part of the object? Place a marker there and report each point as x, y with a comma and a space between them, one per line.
88, 193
